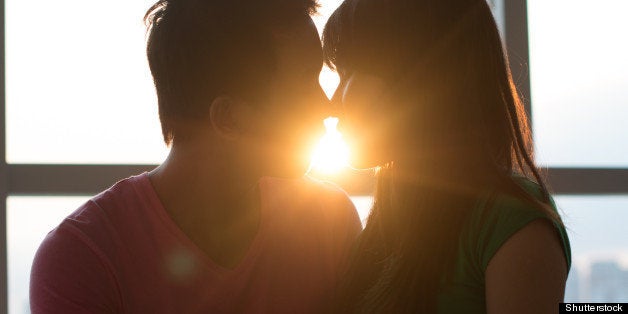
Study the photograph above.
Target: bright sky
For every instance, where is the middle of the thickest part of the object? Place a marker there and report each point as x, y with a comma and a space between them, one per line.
579, 81
78, 88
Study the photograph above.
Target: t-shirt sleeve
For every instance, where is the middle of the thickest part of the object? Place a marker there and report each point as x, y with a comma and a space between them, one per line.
499, 221
69, 276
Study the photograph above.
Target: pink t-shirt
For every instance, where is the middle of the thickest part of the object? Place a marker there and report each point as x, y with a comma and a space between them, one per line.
121, 253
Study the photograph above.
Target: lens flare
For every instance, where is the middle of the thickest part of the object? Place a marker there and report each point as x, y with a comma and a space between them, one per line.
332, 153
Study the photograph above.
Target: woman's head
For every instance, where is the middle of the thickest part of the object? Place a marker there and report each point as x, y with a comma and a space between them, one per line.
427, 93
425, 80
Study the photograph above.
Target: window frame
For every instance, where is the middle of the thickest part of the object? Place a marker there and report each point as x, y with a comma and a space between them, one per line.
61, 180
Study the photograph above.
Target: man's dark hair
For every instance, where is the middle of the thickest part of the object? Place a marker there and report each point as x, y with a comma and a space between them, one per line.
201, 49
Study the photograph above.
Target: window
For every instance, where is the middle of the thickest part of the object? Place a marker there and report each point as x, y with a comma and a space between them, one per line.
579, 82
599, 248
78, 87
579, 92
69, 73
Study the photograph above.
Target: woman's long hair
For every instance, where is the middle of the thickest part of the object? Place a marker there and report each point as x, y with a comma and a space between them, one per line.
463, 131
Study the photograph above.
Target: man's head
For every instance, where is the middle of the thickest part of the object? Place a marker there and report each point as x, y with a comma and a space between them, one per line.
246, 69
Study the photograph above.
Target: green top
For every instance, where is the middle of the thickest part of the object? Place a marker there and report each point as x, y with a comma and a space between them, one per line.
489, 226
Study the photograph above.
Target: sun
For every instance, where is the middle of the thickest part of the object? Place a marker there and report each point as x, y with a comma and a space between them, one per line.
331, 155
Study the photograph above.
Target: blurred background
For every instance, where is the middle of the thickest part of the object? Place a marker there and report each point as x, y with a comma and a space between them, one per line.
79, 113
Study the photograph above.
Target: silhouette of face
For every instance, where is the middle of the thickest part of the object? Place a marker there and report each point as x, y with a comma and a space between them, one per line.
366, 121
286, 128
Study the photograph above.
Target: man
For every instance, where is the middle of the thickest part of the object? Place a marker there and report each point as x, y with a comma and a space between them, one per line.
211, 230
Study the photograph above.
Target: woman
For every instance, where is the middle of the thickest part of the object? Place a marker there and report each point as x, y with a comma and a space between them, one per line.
462, 221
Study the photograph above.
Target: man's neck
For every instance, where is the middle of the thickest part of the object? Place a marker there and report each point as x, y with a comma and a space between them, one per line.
215, 205
197, 183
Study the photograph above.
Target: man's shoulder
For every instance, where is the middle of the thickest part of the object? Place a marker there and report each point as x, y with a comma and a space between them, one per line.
324, 188
106, 213
80, 258
112, 200
127, 192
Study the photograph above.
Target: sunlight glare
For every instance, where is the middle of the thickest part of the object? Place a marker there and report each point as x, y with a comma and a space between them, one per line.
332, 153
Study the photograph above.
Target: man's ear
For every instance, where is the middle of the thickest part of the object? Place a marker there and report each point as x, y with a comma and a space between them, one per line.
221, 115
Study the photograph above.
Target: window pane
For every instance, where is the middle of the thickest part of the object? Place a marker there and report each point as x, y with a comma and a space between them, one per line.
599, 246
363, 204
78, 88
579, 81
497, 6
29, 219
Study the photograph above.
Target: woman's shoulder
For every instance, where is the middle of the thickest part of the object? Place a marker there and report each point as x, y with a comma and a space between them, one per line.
500, 213
508, 205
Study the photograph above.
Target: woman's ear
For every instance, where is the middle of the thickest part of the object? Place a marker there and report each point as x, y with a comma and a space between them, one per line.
221, 116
